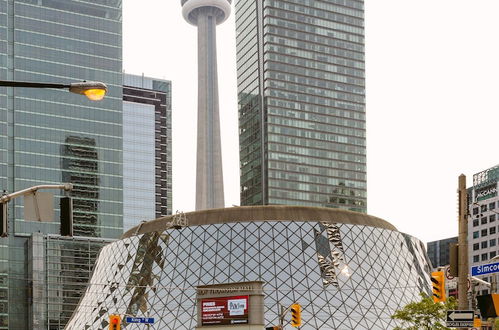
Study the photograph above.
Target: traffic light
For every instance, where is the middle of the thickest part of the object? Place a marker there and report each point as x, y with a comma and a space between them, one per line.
295, 315
114, 322
4, 220
438, 283
66, 207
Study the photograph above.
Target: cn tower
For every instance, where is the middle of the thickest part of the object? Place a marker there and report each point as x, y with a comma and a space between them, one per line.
206, 15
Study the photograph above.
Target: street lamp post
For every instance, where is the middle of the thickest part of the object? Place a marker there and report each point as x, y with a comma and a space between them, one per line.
93, 90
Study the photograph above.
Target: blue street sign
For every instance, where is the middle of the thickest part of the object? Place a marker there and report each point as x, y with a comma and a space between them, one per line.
147, 320
485, 269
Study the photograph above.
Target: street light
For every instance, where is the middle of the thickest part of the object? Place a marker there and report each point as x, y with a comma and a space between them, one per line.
93, 90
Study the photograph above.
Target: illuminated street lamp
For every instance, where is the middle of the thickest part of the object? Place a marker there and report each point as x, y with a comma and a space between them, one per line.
93, 90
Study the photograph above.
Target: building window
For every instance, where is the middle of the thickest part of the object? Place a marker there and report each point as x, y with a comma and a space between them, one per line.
476, 246
475, 222
476, 234
476, 258
483, 208
475, 210
484, 232
484, 221
492, 254
484, 292
492, 230
492, 218
485, 256
492, 206
484, 244
492, 242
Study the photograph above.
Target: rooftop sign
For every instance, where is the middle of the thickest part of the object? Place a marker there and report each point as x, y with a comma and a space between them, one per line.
484, 176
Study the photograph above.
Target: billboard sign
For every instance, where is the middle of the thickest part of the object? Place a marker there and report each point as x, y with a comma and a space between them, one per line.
225, 310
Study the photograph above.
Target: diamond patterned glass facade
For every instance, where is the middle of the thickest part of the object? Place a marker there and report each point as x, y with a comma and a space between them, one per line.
345, 276
301, 94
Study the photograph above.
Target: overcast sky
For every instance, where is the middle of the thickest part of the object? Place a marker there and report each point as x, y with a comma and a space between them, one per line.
432, 101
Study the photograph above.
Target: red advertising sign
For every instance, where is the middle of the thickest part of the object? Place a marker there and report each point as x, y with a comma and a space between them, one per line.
224, 310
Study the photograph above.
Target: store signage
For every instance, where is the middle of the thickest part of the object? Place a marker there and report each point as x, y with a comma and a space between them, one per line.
230, 290
225, 310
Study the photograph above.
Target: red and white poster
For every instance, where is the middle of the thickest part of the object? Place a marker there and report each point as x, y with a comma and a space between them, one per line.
224, 310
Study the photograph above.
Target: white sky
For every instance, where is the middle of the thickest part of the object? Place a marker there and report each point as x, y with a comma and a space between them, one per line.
432, 101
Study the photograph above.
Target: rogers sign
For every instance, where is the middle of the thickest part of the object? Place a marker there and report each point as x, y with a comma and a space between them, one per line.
224, 310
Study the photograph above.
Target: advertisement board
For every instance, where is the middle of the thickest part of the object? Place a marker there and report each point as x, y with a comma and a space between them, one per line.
224, 310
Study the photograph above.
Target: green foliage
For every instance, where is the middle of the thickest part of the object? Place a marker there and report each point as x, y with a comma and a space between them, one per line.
424, 314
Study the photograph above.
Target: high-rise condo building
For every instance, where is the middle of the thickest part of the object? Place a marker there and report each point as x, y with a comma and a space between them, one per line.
483, 229
147, 154
50, 136
301, 95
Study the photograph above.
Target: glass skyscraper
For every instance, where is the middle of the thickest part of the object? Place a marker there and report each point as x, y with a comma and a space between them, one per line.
301, 95
51, 136
147, 153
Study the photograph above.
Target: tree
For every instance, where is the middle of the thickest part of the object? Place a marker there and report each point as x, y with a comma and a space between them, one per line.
424, 314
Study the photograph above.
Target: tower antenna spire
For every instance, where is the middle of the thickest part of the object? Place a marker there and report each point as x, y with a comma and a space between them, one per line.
206, 15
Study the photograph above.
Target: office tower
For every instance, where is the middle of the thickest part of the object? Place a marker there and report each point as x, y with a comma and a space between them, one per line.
49, 136
438, 251
206, 15
301, 95
483, 223
147, 153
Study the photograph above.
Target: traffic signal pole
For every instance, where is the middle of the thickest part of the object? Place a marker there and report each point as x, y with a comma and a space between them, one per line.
463, 272
282, 314
5, 198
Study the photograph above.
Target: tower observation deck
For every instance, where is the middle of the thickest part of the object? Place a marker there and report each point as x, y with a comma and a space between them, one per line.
206, 15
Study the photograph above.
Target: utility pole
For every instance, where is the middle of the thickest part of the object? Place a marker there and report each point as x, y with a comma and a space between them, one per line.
462, 284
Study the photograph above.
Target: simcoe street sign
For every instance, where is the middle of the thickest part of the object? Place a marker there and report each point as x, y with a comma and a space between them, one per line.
485, 269
460, 319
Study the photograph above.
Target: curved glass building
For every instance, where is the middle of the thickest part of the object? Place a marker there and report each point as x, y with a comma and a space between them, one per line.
347, 270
